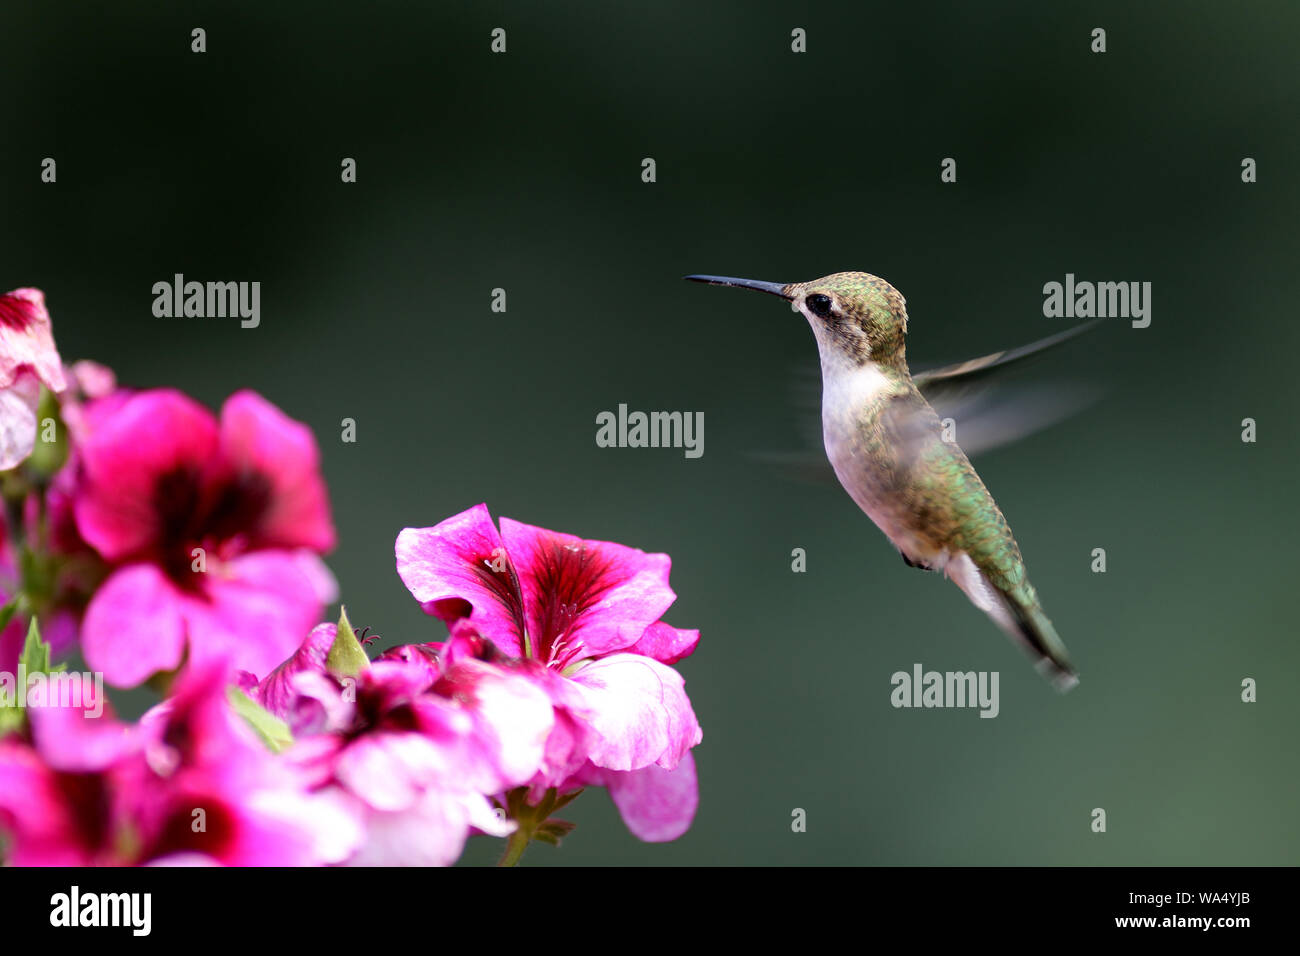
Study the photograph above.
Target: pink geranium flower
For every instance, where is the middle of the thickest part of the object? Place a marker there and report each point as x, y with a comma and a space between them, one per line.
417, 761
28, 359
191, 783
212, 531
581, 618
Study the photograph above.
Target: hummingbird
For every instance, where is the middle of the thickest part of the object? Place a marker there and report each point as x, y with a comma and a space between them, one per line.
889, 451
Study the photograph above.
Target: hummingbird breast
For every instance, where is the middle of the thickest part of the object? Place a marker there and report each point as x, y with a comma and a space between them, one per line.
886, 445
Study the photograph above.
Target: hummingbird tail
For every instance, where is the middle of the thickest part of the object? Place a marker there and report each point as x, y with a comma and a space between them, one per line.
1020, 615
1040, 639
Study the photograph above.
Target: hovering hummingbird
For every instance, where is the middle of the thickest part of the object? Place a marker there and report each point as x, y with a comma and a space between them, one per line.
888, 448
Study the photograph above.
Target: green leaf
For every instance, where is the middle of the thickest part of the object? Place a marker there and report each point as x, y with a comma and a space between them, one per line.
274, 732
346, 657
36, 653
554, 831
565, 800
35, 658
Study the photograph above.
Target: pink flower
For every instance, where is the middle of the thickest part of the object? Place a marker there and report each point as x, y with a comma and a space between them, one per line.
90, 381
191, 783
28, 358
582, 617
212, 531
417, 761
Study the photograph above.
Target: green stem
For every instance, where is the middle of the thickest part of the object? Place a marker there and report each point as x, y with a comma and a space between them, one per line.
515, 846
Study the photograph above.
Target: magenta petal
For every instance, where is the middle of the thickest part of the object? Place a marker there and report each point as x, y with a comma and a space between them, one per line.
70, 738
513, 719
585, 598
258, 438
202, 754
432, 832
391, 771
255, 609
423, 657
463, 559
277, 691
657, 805
93, 379
323, 705
149, 436
39, 828
566, 752
133, 626
639, 710
665, 643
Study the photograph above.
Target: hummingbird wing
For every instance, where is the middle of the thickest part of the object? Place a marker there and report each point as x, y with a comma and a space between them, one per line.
972, 370
987, 414
984, 417
986, 411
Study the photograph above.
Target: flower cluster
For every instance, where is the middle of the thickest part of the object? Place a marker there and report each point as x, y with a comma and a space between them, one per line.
165, 545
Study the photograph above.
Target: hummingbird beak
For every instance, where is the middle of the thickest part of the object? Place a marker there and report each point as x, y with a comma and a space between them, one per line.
771, 288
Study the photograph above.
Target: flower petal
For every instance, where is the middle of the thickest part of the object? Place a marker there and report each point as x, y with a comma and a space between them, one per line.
125, 454
390, 771
463, 560
27, 340
431, 833
258, 438
18, 403
657, 805
255, 609
133, 626
585, 598
93, 380
665, 643
75, 739
38, 817
639, 709
513, 719
277, 691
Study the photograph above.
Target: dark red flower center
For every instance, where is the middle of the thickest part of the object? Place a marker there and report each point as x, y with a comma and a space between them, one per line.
87, 797
184, 830
570, 578
222, 520
15, 313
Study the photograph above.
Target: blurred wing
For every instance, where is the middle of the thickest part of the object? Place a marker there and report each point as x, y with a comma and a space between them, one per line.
981, 419
963, 374
985, 413
807, 461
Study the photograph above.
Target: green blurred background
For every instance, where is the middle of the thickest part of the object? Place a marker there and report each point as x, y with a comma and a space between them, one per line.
522, 171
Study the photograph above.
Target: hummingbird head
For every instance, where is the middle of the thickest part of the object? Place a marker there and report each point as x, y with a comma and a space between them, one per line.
857, 318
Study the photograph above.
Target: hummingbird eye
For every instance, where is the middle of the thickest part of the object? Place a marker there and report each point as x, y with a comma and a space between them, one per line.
819, 305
